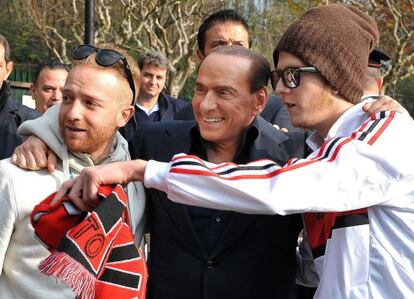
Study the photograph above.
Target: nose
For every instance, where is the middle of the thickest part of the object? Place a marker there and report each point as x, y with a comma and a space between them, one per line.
281, 87
153, 81
208, 103
74, 110
57, 95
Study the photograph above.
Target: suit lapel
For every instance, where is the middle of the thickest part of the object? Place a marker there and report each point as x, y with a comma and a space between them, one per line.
179, 142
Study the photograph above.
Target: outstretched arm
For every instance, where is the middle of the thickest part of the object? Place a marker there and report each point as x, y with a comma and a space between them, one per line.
372, 166
82, 190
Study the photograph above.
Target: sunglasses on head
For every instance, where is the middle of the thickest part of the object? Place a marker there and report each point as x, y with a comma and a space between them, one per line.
290, 76
105, 57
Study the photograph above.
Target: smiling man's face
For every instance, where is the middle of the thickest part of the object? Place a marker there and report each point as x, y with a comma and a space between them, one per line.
223, 104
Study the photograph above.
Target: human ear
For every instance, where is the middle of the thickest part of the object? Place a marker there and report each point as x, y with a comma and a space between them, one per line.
124, 115
262, 96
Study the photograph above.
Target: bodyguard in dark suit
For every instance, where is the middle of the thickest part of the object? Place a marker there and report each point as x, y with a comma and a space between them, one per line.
12, 114
205, 253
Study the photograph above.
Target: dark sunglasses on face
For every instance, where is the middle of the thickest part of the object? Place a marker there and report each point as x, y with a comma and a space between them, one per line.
290, 76
105, 57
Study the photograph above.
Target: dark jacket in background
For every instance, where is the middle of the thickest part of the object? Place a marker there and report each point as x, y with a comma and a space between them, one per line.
168, 105
12, 114
255, 255
275, 112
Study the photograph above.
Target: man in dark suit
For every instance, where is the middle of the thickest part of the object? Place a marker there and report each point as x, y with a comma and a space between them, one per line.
226, 27
153, 103
205, 253
12, 113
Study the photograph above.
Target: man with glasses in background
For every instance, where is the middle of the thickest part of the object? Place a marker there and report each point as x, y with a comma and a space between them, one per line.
98, 99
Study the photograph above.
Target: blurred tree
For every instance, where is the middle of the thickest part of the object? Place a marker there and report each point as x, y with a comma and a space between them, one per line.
22, 35
404, 92
168, 26
39, 28
395, 19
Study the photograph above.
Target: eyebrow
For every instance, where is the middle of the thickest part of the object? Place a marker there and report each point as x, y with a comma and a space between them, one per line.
49, 86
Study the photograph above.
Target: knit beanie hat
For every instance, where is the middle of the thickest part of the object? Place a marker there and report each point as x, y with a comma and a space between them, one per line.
337, 40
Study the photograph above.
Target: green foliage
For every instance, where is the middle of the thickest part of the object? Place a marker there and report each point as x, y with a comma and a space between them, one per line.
22, 36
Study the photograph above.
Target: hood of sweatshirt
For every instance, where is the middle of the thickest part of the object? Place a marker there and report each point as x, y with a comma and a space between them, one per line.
46, 128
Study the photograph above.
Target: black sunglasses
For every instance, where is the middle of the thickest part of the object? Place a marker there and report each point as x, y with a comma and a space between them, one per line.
105, 57
290, 76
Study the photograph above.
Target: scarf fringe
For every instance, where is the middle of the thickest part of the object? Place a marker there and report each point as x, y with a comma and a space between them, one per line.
69, 271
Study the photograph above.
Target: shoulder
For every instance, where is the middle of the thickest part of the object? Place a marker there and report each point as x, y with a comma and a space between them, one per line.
293, 142
22, 111
28, 185
155, 135
18, 175
185, 112
27, 113
177, 103
273, 107
275, 112
165, 127
274, 102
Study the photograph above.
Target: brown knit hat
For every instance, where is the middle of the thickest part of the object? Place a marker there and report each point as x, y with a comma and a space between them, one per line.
337, 40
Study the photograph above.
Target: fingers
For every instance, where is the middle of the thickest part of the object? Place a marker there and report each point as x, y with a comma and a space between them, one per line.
31, 154
51, 161
72, 188
90, 185
384, 103
66, 186
28, 159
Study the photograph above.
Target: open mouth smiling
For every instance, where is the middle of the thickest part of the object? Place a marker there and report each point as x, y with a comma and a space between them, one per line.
213, 120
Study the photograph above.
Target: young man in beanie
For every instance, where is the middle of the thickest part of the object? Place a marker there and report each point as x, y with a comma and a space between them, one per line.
356, 188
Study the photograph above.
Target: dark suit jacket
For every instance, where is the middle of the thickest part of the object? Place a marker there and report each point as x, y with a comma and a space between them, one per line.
12, 114
169, 106
274, 112
255, 257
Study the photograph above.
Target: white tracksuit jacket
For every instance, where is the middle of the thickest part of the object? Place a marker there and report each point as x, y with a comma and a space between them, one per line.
356, 191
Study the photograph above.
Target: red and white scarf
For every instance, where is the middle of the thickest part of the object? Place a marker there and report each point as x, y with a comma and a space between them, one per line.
95, 255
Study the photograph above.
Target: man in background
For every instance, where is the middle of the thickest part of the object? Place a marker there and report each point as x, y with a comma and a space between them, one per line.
12, 114
153, 104
378, 61
47, 84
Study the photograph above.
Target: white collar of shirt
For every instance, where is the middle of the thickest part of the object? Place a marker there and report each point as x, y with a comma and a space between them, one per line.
353, 118
155, 108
